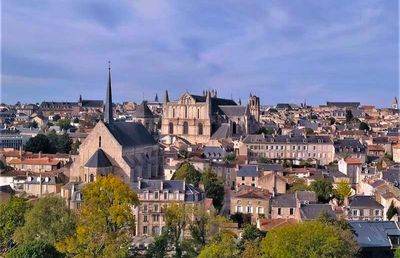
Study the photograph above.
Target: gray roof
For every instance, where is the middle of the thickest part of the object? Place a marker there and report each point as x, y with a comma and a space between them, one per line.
259, 138
214, 152
364, 201
306, 196
130, 134
312, 211
222, 132
232, 111
45, 180
270, 167
374, 233
248, 171
392, 175
343, 104
143, 111
349, 145
284, 200
92, 103
98, 160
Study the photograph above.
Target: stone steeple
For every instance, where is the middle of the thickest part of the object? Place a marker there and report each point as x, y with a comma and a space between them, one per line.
108, 109
166, 97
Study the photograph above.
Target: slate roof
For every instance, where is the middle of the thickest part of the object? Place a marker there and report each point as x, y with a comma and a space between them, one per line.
232, 111
343, 104
214, 152
374, 233
222, 132
349, 145
215, 102
143, 111
284, 200
312, 211
392, 175
364, 201
130, 134
248, 171
92, 103
259, 138
98, 160
270, 167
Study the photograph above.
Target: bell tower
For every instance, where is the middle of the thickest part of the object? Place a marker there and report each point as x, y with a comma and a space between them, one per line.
254, 105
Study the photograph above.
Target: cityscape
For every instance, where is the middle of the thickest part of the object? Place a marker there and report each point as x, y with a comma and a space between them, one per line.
103, 156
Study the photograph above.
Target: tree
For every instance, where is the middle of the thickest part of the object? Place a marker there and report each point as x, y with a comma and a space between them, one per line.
323, 189
364, 126
39, 143
230, 158
64, 124
308, 239
391, 211
187, 172
298, 184
105, 220
251, 234
223, 246
75, 146
343, 190
266, 131
37, 248
349, 116
59, 143
264, 160
213, 187
159, 248
177, 217
332, 120
48, 220
11, 217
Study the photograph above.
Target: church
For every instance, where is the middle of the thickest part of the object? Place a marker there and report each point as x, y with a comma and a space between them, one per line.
126, 149
201, 118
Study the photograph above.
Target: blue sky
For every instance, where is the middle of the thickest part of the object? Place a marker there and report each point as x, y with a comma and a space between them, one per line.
282, 51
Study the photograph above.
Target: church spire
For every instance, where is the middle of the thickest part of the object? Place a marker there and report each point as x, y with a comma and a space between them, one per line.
166, 97
108, 109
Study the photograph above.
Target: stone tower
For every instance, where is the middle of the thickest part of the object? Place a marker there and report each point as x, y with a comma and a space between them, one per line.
395, 104
254, 105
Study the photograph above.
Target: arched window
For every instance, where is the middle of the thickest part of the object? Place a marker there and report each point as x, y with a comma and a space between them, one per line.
186, 112
185, 128
171, 128
99, 141
173, 112
200, 129
91, 178
198, 113
234, 128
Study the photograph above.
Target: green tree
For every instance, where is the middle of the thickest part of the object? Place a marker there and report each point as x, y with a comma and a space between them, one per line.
223, 246
105, 220
308, 239
12, 216
187, 172
391, 211
364, 126
34, 249
48, 220
397, 253
323, 189
298, 184
343, 190
160, 246
251, 234
64, 124
39, 143
266, 131
177, 217
59, 143
213, 187
349, 116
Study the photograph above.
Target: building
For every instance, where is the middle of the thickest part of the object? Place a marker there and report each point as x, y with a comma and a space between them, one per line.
125, 149
39, 164
12, 138
352, 168
350, 148
43, 183
199, 118
155, 196
252, 202
396, 153
144, 115
364, 208
247, 176
318, 149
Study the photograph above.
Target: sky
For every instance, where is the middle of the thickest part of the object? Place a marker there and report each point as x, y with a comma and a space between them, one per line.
282, 51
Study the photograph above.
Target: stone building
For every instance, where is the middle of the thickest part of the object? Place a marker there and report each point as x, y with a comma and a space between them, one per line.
253, 202
155, 196
125, 149
145, 116
199, 118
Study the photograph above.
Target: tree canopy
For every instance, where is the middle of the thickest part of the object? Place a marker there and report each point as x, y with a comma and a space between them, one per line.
343, 190
48, 220
222, 246
213, 187
39, 143
50, 143
187, 172
34, 249
323, 189
105, 220
12, 216
308, 239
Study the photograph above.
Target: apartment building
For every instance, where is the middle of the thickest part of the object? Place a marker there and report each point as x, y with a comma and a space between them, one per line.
318, 149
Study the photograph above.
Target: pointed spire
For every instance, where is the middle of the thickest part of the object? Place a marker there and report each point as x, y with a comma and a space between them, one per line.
166, 97
240, 101
80, 98
156, 98
108, 109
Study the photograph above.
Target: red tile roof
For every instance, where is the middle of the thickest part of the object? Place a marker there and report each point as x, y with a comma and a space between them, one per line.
353, 161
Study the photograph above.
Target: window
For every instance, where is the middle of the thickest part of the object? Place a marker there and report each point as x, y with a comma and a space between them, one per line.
145, 218
155, 207
355, 212
249, 209
234, 128
165, 195
260, 210
99, 141
279, 211
291, 211
173, 112
186, 113
253, 178
238, 208
145, 195
198, 113
156, 218
200, 129
170, 128
185, 128
91, 178
377, 212
242, 178
145, 208
156, 195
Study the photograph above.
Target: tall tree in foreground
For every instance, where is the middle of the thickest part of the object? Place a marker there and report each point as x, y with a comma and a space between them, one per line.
37, 249
308, 239
12, 216
49, 220
222, 246
177, 217
105, 220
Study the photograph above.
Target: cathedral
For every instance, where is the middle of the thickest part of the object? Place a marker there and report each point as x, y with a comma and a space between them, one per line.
126, 149
201, 118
